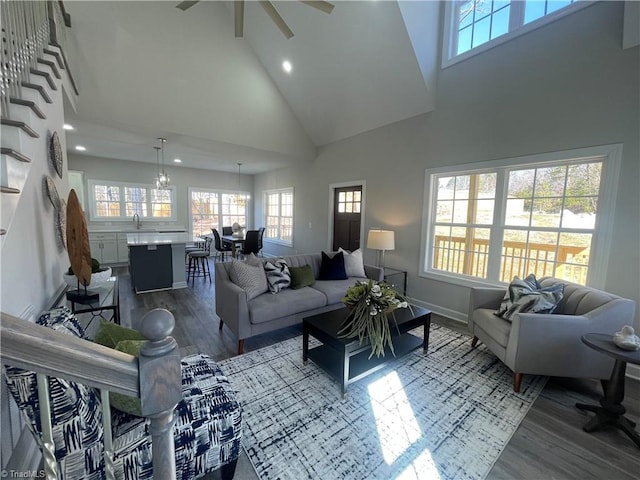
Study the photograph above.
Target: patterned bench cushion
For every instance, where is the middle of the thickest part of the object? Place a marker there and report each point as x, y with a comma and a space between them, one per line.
207, 430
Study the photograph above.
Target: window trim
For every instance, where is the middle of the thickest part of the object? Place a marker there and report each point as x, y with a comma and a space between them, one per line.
279, 191
603, 230
220, 193
94, 217
449, 43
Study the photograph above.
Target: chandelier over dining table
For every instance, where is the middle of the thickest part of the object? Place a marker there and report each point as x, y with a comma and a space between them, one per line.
162, 179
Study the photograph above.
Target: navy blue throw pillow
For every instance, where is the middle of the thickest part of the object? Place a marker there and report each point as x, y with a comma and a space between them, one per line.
332, 268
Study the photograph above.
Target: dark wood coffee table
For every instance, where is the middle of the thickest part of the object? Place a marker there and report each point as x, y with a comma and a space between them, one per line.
345, 359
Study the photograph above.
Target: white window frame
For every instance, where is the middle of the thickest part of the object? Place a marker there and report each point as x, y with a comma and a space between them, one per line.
221, 216
94, 217
279, 191
516, 28
601, 242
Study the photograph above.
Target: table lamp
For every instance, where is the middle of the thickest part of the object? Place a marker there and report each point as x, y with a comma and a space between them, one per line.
381, 240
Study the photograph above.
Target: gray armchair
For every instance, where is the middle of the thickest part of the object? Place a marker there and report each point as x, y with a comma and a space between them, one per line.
550, 344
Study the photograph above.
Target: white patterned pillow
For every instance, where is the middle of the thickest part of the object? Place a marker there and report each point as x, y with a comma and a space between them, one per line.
251, 278
278, 275
353, 263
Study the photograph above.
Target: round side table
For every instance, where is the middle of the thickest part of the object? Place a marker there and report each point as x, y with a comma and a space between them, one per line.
610, 413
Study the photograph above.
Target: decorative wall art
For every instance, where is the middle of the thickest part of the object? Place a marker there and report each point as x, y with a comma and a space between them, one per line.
52, 191
55, 153
59, 210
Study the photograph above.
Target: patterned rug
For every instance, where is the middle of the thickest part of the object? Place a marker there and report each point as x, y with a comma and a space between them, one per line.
447, 415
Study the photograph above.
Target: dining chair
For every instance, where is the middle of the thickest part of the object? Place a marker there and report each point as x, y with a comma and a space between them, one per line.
251, 243
220, 247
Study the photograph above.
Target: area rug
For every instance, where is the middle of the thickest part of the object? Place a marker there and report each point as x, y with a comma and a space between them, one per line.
446, 415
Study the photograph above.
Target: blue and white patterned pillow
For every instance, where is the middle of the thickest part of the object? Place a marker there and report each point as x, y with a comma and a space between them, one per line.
527, 295
278, 275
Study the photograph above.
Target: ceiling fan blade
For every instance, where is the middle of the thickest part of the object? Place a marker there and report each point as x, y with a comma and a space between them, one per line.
185, 5
238, 15
277, 19
325, 7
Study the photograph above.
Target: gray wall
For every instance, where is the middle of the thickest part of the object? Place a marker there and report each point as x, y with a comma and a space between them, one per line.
95, 168
564, 86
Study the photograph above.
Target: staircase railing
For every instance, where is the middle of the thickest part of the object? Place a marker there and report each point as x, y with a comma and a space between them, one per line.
154, 378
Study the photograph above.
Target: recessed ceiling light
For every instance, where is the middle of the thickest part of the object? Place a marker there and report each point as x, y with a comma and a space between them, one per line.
80, 148
66, 126
177, 160
287, 67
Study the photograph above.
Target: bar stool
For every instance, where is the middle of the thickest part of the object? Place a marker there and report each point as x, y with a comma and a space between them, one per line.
199, 259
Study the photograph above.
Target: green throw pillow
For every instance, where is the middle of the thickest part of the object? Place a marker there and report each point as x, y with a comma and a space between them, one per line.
301, 276
109, 334
125, 403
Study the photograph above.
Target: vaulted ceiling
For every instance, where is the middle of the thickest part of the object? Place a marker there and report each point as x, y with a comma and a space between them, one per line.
148, 70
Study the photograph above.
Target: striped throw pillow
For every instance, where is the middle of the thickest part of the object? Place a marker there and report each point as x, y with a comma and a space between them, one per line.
278, 275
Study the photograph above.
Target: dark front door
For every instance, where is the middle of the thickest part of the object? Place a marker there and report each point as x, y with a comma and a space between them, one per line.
347, 205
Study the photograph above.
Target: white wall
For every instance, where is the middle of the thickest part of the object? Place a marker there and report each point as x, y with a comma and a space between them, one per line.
182, 178
564, 86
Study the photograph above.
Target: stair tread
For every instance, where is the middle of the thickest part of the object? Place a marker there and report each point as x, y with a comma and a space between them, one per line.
15, 154
57, 56
28, 103
15, 123
51, 64
3, 231
46, 76
4, 189
40, 89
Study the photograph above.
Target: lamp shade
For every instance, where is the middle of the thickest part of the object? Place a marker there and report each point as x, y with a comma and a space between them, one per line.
381, 240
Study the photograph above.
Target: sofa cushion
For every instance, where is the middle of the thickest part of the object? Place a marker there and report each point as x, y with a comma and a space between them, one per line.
334, 290
498, 328
301, 277
527, 295
251, 278
332, 268
278, 275
353, 263
265, 308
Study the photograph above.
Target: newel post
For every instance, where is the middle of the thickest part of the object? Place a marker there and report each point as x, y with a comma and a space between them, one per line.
160, 387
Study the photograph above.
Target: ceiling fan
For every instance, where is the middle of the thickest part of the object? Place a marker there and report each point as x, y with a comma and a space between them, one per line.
238, 10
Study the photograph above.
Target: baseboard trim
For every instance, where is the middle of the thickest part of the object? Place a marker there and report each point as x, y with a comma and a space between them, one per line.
442, 311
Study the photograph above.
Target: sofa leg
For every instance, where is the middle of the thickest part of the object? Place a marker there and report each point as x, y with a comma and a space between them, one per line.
220, 326
517, 381
474, 342
228, 470
240, 347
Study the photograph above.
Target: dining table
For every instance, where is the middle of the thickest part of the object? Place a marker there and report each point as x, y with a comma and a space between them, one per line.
236, 243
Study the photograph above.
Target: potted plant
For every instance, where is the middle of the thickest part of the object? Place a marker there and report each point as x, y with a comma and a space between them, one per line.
370, 303
99, 275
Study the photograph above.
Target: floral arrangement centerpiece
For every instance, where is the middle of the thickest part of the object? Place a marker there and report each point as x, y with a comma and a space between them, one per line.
370, 302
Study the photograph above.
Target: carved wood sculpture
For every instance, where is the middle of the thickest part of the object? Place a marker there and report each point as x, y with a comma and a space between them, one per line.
78, 240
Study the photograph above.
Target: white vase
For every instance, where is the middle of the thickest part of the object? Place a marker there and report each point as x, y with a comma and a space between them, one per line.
97, 279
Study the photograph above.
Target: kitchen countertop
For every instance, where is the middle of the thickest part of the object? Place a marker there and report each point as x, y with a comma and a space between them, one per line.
157, 238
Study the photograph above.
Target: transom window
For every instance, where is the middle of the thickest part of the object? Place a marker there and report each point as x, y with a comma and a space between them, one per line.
513, 219
472, 26
278, 219
215, 209
120, 201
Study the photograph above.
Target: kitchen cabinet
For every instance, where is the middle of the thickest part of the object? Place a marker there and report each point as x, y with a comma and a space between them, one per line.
104, 247
123, 248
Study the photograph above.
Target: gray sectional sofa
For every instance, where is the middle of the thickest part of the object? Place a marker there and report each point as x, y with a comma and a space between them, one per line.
268, 311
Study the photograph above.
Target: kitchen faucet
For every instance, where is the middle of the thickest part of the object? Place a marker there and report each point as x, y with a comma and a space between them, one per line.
136, 220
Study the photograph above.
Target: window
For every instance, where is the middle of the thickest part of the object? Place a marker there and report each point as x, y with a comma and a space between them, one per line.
120, 201
472, 26
278, 218
540, 215
214, 209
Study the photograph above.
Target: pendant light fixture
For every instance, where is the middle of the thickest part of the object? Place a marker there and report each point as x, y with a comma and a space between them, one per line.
157, 179
162, 181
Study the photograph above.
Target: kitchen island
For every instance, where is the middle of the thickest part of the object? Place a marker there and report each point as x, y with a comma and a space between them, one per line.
156, 260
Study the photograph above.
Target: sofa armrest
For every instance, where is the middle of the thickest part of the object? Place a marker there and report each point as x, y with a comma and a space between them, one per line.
231, 304
374, 273
483, 297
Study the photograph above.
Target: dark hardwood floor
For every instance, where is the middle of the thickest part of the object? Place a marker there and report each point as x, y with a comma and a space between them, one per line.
549, 444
